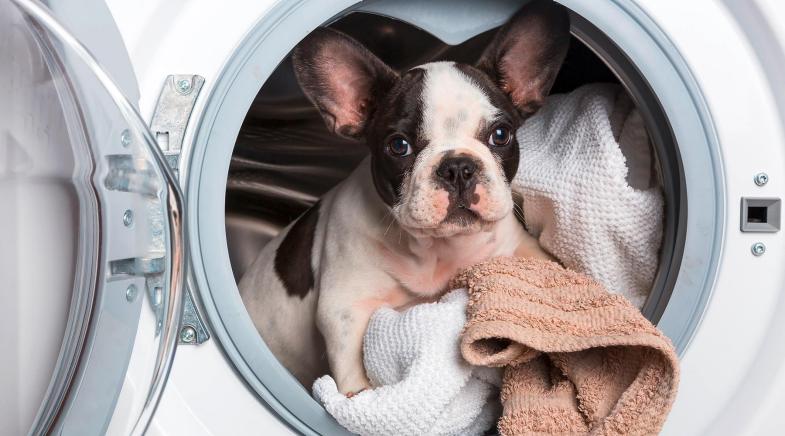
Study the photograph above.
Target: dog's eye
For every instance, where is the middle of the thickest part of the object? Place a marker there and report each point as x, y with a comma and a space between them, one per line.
500, 136
399, 147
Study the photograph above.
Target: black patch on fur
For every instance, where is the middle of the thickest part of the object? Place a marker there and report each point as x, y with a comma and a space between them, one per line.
293, 257
398, 113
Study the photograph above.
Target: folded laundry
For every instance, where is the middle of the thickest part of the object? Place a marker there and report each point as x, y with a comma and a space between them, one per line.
578, 359
590, 191
422, 385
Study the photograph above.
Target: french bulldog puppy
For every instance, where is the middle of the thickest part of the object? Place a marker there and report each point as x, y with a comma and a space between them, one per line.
433, 196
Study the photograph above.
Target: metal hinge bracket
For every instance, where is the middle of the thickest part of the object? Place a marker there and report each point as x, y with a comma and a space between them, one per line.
170, 119
172, 113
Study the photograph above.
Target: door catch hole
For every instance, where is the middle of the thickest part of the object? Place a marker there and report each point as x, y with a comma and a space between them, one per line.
757, 214
760, 215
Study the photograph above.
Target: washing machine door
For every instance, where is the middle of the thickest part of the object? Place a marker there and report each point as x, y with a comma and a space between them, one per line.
92, 241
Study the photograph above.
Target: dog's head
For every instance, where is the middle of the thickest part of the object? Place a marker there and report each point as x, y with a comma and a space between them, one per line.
441, 135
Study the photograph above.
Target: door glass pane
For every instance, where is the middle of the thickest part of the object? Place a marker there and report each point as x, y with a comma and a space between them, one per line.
85, 240
42, 176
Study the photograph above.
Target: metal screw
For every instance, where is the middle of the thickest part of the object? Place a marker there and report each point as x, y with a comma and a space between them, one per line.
184, 86
761, 179
758, 249
125, 138
187, 334
130, 293
128, 217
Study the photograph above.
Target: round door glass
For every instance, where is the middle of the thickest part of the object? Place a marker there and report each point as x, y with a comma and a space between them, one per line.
86, 246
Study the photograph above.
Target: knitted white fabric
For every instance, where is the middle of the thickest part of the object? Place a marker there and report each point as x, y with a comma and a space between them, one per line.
577, 194
424, 387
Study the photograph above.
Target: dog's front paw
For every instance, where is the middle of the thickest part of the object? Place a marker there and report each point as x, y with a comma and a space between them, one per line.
354, 386
351, 394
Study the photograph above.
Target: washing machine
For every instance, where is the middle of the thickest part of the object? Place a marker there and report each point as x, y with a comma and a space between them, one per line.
149, 149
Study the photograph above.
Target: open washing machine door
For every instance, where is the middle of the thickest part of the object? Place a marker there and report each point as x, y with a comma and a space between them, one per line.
92, 252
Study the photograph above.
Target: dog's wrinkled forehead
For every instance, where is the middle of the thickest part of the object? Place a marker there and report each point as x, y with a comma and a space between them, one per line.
454, 104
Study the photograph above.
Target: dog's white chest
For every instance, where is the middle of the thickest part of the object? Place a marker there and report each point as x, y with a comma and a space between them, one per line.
425, 267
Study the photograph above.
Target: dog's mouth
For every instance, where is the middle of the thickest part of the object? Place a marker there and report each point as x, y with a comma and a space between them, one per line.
458, 221
462, 219
462, 215
437, 212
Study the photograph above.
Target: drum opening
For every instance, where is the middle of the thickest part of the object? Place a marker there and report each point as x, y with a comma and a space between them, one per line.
284, 159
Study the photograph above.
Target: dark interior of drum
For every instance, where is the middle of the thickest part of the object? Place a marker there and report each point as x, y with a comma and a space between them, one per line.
285, 159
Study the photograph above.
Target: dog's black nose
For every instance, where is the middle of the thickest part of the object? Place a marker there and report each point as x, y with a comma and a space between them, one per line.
457, 171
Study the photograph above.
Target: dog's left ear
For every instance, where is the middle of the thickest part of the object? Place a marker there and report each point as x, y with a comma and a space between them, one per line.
527, 53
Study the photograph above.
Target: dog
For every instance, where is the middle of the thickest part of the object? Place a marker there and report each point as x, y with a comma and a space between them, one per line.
432, 198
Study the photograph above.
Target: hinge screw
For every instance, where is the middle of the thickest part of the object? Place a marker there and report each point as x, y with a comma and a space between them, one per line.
187, 334
128, 217
758, 249
761, 179
184, 86
130, 293
125, 138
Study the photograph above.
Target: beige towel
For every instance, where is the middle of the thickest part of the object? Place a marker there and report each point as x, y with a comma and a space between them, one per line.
579, 360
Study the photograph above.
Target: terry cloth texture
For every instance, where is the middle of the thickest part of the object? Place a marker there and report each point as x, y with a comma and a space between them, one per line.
423, 385
578, 359
590, 194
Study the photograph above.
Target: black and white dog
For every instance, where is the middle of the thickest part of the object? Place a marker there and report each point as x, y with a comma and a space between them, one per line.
432, 197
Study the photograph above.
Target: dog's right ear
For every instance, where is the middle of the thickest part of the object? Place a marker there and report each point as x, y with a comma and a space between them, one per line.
342, 78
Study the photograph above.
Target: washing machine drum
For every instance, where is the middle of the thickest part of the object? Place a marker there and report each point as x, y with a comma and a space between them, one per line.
99, 202
282, 160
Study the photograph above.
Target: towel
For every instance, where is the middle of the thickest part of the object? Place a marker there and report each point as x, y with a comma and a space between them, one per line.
422, 384
590, 194
578, 359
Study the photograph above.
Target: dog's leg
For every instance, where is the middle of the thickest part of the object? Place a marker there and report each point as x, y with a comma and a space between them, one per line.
343, 312
343, 325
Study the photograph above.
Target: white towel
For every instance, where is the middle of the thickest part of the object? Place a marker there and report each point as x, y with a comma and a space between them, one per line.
580, 200
423, 385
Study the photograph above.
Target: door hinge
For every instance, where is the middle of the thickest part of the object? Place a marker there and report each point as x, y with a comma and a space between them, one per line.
170, 119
